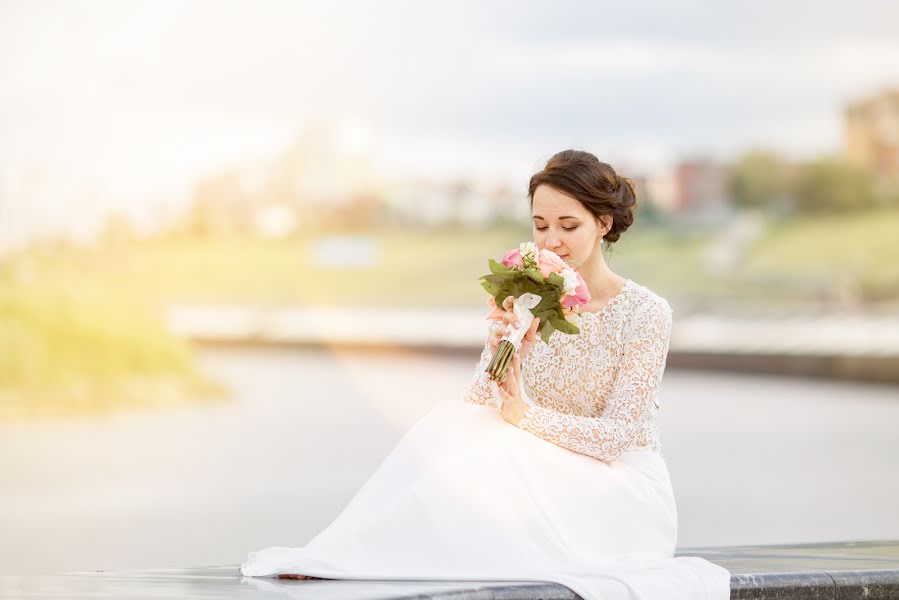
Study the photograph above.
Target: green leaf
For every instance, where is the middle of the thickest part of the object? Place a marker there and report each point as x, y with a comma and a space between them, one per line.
491, 288
546, 331
534, 275
499, 278
564, 325
556, 279
546, 304
499, 268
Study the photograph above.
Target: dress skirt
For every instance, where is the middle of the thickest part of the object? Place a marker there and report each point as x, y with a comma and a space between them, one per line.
465, 495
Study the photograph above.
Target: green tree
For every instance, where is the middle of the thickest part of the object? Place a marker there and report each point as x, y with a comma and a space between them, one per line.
757, 179
830, 185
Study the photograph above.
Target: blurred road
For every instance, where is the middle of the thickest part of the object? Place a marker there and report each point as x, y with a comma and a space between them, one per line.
754, 460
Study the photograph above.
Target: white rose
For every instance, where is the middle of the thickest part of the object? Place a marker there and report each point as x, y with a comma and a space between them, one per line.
571, 282
528, 250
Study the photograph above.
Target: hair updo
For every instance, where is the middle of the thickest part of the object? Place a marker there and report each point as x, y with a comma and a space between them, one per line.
594, 184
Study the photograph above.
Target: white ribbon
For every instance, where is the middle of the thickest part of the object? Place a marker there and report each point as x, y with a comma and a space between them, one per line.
521, 306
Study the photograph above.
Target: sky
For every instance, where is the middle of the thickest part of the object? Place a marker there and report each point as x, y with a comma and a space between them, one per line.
127, 103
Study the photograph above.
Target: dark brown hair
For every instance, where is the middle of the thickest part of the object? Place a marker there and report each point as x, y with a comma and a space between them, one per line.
594, 184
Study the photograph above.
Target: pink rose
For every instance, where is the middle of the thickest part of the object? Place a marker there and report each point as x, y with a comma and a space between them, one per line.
549, 262
512, 258
581, 294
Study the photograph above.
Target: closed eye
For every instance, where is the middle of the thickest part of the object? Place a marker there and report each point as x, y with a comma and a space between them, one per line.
565, 228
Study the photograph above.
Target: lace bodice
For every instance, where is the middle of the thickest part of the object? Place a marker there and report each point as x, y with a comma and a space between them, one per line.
595, 392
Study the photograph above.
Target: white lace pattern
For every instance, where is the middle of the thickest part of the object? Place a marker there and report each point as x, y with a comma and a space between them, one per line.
596, 392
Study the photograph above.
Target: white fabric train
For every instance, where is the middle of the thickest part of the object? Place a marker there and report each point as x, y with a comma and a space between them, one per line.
466, 495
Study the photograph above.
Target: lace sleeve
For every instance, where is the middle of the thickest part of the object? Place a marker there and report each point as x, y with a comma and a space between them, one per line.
642, 364
481, 389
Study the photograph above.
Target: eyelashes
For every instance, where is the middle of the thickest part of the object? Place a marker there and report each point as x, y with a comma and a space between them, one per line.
565, 228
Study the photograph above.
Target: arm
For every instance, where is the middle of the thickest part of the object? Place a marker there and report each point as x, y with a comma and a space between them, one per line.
481, 390
639, 375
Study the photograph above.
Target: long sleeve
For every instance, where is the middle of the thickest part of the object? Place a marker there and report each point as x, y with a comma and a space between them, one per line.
480, 390
639, 375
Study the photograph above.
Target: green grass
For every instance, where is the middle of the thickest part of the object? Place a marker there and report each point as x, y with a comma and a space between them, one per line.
439, 267
860, 251
421, 268
81, 329
791, 263
88, 349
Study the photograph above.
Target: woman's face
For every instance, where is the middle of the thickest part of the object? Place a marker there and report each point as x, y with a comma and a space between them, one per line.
562, 224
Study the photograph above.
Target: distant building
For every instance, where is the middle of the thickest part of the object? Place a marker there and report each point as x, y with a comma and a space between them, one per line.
872, 135
644, 192
317, 172
275, 221
221, 206
484, 204
700, 191
314, 183
509, 202
470, 204
363, 211
43, 202
417, 201
661, 188
698, 184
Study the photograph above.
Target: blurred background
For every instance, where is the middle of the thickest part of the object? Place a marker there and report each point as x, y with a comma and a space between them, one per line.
240, 244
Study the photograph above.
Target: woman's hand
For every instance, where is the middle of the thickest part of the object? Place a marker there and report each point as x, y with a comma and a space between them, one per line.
510, 320
514, 406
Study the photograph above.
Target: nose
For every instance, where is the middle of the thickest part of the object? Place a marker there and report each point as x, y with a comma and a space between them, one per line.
552, 241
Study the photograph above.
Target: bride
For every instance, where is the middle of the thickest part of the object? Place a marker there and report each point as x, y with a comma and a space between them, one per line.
557, 474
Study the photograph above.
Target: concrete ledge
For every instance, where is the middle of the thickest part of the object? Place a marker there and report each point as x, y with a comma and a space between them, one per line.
871, 369
877, 369
842, 570
867, 569
854, 347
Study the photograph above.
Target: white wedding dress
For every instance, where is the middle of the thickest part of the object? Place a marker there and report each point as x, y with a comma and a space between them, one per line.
577, 494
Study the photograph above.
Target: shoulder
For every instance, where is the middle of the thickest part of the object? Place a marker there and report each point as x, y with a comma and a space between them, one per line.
645, 300
648, 311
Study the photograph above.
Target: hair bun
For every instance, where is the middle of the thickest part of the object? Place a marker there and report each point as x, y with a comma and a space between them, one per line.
623, 208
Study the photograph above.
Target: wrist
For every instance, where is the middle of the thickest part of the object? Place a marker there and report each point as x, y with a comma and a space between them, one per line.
521, 410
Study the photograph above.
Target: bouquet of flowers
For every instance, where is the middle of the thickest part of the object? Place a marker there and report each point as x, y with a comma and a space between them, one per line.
543, 286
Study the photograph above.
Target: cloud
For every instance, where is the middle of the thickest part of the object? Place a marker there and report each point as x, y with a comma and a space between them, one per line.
158, 92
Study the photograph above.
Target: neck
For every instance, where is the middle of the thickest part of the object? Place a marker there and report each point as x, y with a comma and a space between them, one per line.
601, 281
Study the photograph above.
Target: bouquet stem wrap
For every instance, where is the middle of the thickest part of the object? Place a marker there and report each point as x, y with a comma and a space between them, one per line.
511, 342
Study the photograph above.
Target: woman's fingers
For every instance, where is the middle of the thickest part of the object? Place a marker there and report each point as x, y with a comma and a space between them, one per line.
507, 382
530, 338
531, 335
508, 305
496, 334
513, 369
513, 373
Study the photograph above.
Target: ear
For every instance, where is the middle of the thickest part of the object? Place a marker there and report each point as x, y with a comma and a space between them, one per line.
605, 223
